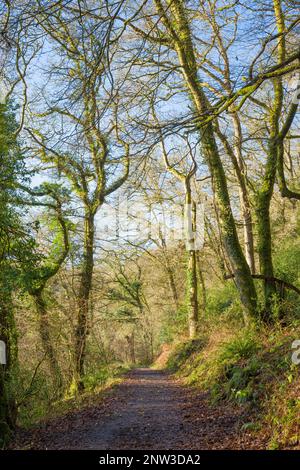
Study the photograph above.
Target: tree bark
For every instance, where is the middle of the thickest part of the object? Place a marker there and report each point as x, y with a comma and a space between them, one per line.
283, 284
83, 300
264, 245
202, 283
170, 273
192, 294
47, 344
229, 234
172, 286
131, 347
235, 155
8, 408
192, 282
244, 197
264, 195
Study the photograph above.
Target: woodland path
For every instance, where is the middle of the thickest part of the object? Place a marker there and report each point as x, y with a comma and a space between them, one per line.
149, 410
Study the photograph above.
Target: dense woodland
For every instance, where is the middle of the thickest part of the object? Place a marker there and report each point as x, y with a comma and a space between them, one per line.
153, 104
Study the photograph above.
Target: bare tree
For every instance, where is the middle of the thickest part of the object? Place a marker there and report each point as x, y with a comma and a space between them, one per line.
85, 145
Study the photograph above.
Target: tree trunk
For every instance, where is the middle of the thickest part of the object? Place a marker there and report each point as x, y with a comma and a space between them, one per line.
192, 283
83, 300
8, 335
45, 335
248, 233
173, 286
170, 273
264, 247
229, 234
244, 197
264, 195
131, 347
202, 283
192, 295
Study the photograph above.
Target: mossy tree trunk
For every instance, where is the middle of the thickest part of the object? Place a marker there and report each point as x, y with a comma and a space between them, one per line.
37, 279
192, 281
265, 192
264, 237
45, 334
172, 285
83, 298
201, 283
8, 334
131, 347
192, 289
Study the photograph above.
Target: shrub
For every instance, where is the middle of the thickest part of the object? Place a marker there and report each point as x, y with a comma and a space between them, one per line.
173, 325
220, 298
183, 352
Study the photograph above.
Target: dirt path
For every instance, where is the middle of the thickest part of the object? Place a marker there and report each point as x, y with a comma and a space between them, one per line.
148, 415
149, 410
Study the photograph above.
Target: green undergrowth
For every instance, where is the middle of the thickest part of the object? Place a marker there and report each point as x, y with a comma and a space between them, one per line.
251, 368
104, 376
39, 404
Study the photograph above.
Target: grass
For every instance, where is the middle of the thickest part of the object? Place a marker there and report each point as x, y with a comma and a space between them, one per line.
40, 405
251, 368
